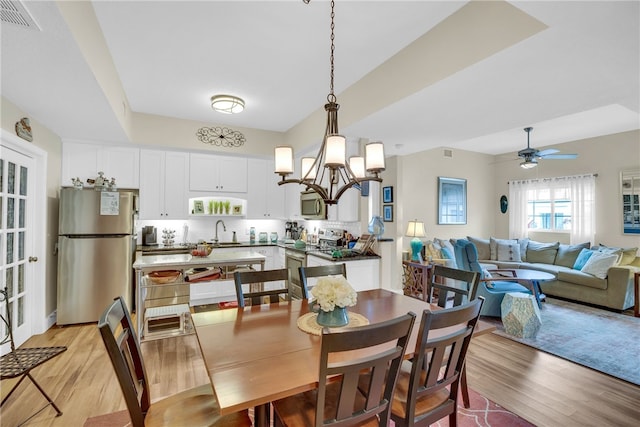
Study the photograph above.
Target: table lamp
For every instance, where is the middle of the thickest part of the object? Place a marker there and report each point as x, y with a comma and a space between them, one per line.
415, 230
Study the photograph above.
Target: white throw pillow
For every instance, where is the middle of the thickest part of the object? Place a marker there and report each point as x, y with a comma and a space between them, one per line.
508, 251
599, 264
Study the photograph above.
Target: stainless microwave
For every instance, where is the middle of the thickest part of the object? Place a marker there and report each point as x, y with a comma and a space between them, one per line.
312, 206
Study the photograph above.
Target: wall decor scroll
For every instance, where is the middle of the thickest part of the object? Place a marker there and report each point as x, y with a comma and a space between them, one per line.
221, 137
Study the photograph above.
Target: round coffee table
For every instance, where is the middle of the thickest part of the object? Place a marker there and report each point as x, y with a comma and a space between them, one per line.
533, 277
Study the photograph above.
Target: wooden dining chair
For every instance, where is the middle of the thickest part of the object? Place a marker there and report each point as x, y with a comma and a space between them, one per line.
429, 391
453, 296
307, 273
194, 407
259, 291
342, 399
451, 286
19, 362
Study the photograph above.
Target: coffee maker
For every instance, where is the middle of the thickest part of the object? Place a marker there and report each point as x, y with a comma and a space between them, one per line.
291, 230
149, 236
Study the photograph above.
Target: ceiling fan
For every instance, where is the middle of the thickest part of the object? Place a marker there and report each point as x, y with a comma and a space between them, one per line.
531, 155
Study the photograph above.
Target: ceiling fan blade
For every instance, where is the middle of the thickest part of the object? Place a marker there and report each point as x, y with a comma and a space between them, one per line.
543, 153
560, 156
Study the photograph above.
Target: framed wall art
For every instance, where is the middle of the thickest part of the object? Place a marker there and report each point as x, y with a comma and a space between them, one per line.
387, 213
387, 194
198, 207
452, 200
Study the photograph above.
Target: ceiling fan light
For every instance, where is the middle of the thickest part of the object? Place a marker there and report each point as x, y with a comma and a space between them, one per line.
529, 164
227, 104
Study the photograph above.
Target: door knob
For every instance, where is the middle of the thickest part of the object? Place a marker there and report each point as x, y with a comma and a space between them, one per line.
33, 259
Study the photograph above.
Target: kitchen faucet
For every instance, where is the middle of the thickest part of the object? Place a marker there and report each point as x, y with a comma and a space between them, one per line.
224, 227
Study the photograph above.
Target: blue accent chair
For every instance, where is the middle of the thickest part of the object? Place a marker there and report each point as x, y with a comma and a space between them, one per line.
493, 291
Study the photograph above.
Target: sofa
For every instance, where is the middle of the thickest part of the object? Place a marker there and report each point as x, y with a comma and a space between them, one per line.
605, 278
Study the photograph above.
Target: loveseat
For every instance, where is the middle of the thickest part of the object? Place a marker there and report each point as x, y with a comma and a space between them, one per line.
607, 281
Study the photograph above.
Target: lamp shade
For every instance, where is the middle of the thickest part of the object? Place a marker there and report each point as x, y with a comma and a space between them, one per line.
284, 160
307, 172
374, 154
416, 229
357, 166
336, 150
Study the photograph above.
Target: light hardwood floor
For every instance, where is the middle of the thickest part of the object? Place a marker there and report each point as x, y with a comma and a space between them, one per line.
545, 390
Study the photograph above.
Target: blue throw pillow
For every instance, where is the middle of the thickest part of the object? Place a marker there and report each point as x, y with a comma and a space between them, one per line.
445, 253
582, 259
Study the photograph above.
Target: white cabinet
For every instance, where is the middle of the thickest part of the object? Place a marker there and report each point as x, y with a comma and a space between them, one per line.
363, 274
163, 184
208, 172
84, 161
265, 198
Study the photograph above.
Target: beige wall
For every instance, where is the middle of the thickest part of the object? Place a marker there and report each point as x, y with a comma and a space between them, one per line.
50, 142
607, 156
418, 190
159, 131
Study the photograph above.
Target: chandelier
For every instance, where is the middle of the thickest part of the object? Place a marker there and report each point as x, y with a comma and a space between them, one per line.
329, 174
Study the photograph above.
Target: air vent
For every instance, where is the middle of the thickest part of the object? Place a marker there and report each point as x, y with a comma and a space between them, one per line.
448, 152
14, 12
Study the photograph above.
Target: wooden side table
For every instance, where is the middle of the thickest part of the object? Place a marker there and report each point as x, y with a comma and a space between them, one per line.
416, 279
636, 294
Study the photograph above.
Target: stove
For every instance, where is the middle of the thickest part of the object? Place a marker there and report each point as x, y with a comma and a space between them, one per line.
331, 239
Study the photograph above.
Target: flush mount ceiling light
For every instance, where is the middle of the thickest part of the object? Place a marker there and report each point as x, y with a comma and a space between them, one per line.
227, 104
342, 175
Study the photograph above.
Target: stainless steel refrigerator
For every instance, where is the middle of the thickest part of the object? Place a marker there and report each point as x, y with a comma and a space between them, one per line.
96, 247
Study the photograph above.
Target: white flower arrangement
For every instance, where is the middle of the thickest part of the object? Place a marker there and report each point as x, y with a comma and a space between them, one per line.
332, 291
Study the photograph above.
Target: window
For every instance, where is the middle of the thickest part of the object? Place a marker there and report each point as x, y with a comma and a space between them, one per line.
561, 204
549, 209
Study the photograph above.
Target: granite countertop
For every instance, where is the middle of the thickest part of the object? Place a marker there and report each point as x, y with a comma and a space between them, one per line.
187, 260
186, 247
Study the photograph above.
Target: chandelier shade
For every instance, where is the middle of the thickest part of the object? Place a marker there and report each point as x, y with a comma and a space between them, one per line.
329, 174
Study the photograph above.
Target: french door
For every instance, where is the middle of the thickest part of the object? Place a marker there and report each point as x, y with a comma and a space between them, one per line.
16, 219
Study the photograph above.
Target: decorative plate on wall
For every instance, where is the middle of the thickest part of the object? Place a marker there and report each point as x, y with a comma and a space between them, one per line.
504, 204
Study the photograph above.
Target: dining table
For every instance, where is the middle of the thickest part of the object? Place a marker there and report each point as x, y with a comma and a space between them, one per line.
258, 354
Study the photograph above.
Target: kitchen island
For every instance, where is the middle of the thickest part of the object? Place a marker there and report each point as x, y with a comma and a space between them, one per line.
163, 305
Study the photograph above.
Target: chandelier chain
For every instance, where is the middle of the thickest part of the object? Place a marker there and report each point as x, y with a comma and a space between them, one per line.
331, 97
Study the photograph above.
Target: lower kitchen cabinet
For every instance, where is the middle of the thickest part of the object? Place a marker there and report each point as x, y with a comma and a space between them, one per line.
362, 274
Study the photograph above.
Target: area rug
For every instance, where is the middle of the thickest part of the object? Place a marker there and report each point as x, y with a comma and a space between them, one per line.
482, 413
599, 339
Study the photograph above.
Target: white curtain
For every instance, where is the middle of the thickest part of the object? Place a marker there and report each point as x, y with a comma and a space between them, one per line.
518, 208
581, 191
583, 204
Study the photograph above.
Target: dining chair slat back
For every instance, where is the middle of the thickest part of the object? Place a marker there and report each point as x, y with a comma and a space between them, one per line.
429, 391
354, 390
464, 289
315, 271
257, 292
467, 292
194, 407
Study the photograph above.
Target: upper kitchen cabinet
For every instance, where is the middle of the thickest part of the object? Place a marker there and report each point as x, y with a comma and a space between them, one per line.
163, 184
84, 161
213, 173
265, 198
